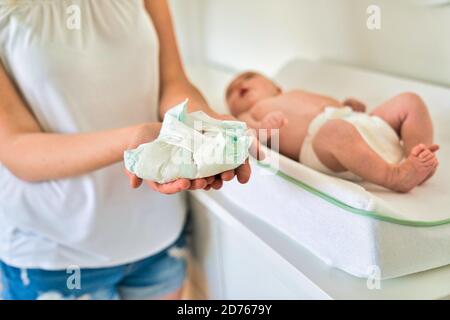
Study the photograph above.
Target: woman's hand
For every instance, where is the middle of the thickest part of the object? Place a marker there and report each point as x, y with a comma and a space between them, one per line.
215, 182
148, 132
143, 133
244, 171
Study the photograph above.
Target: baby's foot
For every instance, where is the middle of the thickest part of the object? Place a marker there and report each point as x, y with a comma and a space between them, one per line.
414, 170
433, 148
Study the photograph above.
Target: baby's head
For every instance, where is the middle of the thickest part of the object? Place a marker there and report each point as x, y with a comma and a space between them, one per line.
247, 89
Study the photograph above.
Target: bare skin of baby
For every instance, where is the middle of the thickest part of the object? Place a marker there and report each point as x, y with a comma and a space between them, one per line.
258, 101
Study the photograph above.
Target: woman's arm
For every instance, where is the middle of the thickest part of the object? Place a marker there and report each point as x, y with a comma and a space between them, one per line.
33, 155
175, 85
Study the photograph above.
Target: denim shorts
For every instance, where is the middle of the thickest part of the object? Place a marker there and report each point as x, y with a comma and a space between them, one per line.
149, 278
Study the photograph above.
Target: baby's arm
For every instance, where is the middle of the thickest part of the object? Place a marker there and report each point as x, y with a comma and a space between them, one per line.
249, 120
355, 104
272, 120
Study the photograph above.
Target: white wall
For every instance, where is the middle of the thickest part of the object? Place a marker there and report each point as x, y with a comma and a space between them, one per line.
414, 41
188, 19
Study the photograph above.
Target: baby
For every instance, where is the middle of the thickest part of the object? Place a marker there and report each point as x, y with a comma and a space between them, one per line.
392, 146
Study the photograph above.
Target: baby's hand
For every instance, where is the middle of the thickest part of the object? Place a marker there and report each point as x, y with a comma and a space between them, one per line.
355, 104
274, 120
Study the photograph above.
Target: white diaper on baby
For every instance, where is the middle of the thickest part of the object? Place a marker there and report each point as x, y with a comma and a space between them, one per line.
190, 145
375, 131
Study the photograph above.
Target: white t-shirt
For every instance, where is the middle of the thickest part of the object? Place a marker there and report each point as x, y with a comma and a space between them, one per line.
104, 75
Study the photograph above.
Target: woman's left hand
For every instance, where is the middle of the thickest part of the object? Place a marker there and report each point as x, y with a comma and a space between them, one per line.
243, 172
215, 182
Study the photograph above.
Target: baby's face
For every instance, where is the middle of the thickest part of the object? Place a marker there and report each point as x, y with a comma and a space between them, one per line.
247, 89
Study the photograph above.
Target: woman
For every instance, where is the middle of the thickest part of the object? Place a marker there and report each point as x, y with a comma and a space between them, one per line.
72, 100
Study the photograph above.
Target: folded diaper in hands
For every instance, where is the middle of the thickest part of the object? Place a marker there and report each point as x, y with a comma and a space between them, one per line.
190, 145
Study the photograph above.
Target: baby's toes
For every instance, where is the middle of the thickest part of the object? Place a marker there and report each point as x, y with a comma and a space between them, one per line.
417, 150
435, 162
426, 155
434, 147
429, 161
431, 164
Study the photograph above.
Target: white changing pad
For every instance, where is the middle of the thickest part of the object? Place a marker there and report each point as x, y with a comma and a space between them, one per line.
429, 204
361, 229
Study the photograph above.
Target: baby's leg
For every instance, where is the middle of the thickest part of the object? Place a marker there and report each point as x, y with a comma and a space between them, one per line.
340, 147
408, 115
